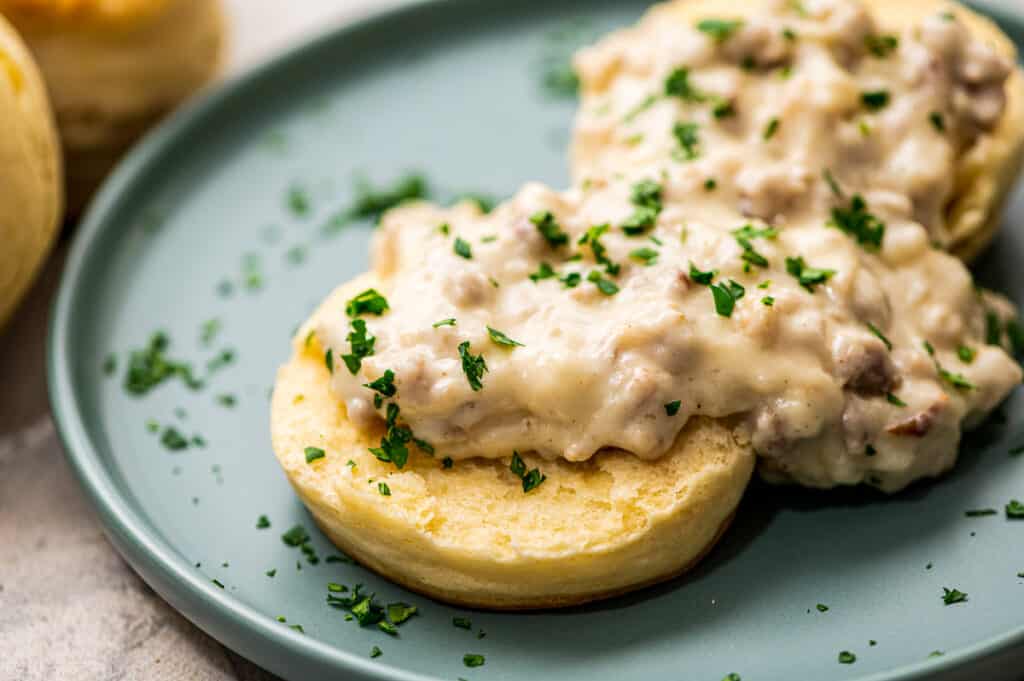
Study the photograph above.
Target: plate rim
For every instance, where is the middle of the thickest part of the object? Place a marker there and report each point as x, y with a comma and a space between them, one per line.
225, 618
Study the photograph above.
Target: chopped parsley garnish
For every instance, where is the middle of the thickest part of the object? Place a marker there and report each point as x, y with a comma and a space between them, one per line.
770, 128
951, 596
571, 280
732, 677
173, 440
110, 365
993, 328
956, 380
444, 228
383, 488
881, 336
444, 322
646, 197
875, 99
218, 583
383, 386
710, 184
605, 286
672, 408
807, 276
473, 660
549, 228
723, 108
473, 367
463, 249
297, 536
938, 121
400, 612
367, 302
725, 296
892, 399
447, 462
375, 652
686, 135
678, 85
821, 607
869, 450
361, 344
393, 445
832, 183
846, 657
936, 653
881, 46
719, 29
592, 237
980, 512
544, 271
271, 573
648, 256
857, 222
373, 202
314, 453
744, 235
262, 523
700, 277
645, 104
462, 623
1015, 510
150, 366
530, 479
500, 338
768, 301
227, 400
965, 354
298, 201
329, 360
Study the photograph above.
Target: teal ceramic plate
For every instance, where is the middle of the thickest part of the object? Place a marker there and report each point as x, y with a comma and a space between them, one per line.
225, 214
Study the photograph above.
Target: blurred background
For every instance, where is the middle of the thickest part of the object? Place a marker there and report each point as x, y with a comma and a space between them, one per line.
70, 608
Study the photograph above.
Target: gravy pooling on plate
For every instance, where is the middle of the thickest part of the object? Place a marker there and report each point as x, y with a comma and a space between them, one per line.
749, 257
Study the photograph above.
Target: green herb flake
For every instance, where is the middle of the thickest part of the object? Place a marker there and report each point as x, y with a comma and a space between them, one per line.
768, 301
980, 512
689, 141
1014, 510
719, 29
473, 367
807, 276
530, 479
271, 573
857, 222
874, 100
821, 607
173, 440
218, 583
548, 227
938, 121
262, 523
725, 296
361, 345
383, 386
375, 652
605, 286
732, 677
329, 360
298, 201
463, 249
297, 536
678, 85
892, 399
710, 184
770, 128
444, 322
672, 408
399, 612
880, 45
544, 271
462, 623
384, 490
473, 660
367, 302
499, 338
647, 256
150, 367
644, 104
965, 354
952, 596
881, 336
701, 277
372, 202
936, 653
227, 400
846, 657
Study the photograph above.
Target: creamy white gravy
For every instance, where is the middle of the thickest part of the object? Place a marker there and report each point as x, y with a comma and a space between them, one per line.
864, 371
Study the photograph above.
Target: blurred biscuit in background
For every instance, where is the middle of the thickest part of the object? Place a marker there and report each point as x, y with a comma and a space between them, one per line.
113, 68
